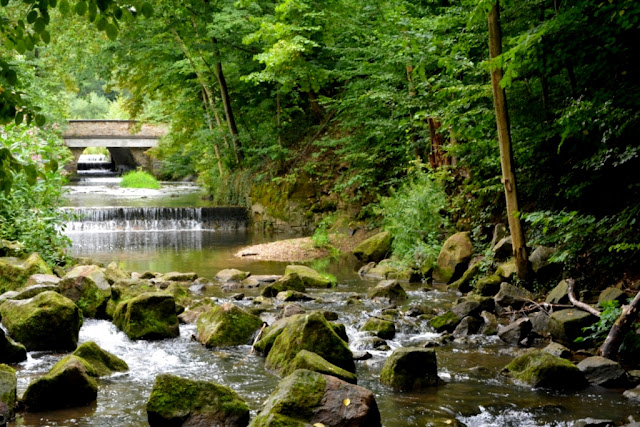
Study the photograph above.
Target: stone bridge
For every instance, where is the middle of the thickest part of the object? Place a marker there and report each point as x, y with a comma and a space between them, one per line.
126, 141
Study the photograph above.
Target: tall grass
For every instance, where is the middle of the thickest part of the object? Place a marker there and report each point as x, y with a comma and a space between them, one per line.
139, 179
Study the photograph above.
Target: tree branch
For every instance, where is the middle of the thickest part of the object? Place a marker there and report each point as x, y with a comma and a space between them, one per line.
577, 303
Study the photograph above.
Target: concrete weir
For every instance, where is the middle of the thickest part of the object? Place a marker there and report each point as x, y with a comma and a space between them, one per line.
126, 140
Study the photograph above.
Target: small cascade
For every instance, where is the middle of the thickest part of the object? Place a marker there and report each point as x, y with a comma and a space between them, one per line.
108, 219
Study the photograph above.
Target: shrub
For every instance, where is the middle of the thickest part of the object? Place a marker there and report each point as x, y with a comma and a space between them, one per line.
139, 179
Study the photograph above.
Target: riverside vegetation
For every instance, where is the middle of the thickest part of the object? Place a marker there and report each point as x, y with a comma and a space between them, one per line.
347, 115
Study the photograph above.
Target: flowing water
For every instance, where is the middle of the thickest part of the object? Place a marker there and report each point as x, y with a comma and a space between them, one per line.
473, 390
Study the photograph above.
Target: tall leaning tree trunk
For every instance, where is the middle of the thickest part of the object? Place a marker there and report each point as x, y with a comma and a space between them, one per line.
504, 140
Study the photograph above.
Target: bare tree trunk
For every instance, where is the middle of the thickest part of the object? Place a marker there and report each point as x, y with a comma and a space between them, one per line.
504, 140
437, 156
609, 348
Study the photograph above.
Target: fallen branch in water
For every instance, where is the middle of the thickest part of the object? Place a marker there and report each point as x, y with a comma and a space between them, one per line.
576, 302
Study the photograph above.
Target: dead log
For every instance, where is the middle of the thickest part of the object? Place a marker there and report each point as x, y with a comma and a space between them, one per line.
577, 303
622, 325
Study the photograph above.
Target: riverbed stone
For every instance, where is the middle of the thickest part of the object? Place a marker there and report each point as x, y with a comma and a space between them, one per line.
290, 282
540, 369
102, 362
113, 273
42, 280
313, 362
232, 275
515, 332
29, 292
309, 332
227, 325
488, 286
604, 372
124, 290
310, 277
612, 294
558, 350
446, 322
507, 270
176, 401
382, 328
14, 272
68, 384
307, 398
559, 294
8, 392
11, 351
540, 323
453, 259
490, 323
176, 276
375, 248
511, 295
566, 325
633, 394
149, 316
48, 321
270, 333
389, 291
463, 284
596, 422
87, 286
469, 325
410, 369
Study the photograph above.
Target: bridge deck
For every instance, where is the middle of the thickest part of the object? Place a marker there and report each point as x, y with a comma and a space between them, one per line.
111, 133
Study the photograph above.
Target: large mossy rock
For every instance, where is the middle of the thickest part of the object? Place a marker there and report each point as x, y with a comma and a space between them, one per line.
14, 272
309, 332
290, 282
87, 286
8, 392
231, 275
312, 362
102, 362
375, 248
48, 321
124, 290
176, 401
114, 273
227, 325
445, 322
410, 369
150, 316
270, 333
10, 351
389, 291
310, 277
511, 295
68, 384
540, 369
566, 325
453, 258
307, 398
382, 328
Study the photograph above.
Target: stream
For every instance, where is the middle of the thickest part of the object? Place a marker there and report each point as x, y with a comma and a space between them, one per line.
181, 236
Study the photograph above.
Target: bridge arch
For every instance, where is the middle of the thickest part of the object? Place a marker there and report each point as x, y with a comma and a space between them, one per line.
126, 140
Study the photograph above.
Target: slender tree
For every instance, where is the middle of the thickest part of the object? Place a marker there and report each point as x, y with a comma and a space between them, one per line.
504, 140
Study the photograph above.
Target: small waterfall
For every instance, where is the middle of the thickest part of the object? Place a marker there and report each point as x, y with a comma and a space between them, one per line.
107, 219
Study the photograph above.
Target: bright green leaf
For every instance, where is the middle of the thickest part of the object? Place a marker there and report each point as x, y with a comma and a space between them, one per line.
112, 31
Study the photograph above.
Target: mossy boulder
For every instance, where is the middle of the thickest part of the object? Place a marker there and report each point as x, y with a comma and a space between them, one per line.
227, 325
389, 291
382, 328
307, 398
10, 351
87, 286
68, 384
28, 292
541, 369
290, 282
309, 332
410, 369
463, 284
102, 362
446, 322
559, 294
488, 286
232, 275
310, 277
42, 280
511, 295
114, 273
150, 316
375, 248
176, 276
453, 259
312, 362
566, 325
124, 290
8, 392
507, 271
180, 294
176, 401
270, 334
14, 272
48, 321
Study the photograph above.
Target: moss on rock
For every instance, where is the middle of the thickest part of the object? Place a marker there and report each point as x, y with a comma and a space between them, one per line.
87, 286
48, 321
290, 282
375, 248
124, 290
309, 332
8, 391
311, 277
389, 291
102, 362
181, 401
313, 362
453, 258
150, 316
10, 351
445, 322
14, 272
227, 325
382, 328
541, 369
410, 369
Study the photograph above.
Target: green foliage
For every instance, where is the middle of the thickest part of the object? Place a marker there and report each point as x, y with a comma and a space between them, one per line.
412, 214
599, 330
139, 179
29, 205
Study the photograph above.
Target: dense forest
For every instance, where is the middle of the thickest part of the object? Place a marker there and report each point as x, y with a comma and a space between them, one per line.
385, 107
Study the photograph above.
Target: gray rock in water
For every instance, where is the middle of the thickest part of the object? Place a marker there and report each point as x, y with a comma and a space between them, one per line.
566, 325
454, 258
87, 286
8, 392
633, 394
291, 310
558, 350
42, 279
540, 323
382, 328
410, 369
232, 275
389, 291
467, 326
604, 372
515, 332
175, 276
510, 295
10, 351
490, 323
559, 294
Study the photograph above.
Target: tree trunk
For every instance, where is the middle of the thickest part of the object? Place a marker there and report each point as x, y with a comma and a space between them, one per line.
215, 146
504, 140
228, 111
609, 348
437, 156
